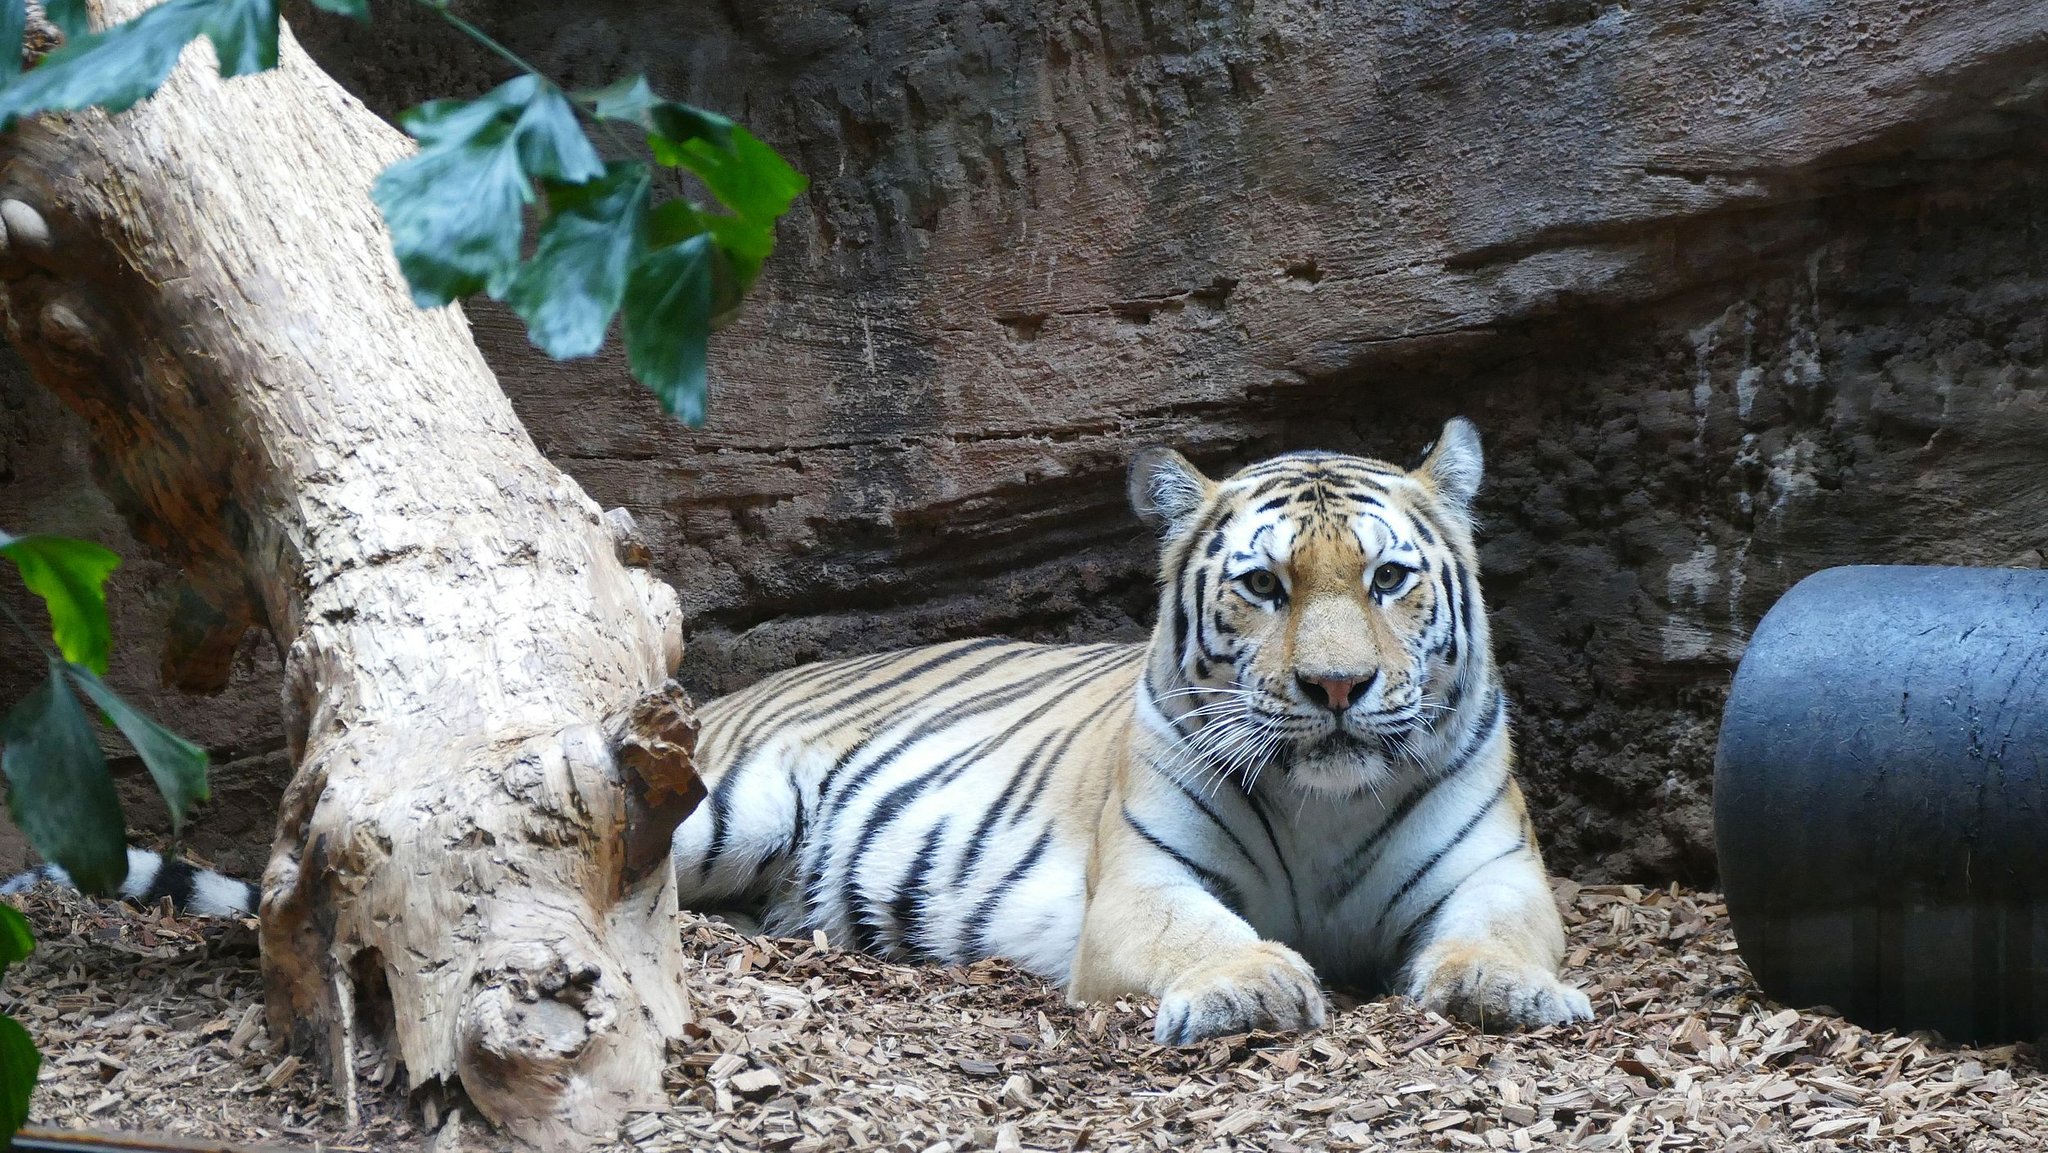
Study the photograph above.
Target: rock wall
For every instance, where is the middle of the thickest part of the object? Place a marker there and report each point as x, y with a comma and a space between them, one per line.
1735, 292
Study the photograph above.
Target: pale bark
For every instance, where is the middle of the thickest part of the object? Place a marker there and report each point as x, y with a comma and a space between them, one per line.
465, 870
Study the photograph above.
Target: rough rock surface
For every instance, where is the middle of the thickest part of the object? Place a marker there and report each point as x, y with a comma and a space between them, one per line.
1735, 292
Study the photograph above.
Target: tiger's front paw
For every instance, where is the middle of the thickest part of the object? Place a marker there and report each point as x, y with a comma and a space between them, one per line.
1265, 986
1498, 993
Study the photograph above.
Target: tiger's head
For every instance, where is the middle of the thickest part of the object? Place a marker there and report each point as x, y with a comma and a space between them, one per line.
1320, 615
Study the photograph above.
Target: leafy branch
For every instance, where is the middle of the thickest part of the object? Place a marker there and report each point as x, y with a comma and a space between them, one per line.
457, 208
58, 788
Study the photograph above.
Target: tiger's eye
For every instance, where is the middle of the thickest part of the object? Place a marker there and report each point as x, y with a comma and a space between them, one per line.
1389, 577
1261, 583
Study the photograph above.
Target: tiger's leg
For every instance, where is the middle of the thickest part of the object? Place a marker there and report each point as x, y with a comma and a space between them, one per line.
1488, 951
1152, 928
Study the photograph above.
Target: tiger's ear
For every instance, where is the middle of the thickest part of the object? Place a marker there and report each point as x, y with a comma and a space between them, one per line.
1165, 489
1454, 464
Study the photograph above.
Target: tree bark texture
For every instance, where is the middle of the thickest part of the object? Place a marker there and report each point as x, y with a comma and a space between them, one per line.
471, 864
1734, 291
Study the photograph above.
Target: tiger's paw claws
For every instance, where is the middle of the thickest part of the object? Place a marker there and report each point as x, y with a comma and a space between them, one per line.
1266, 987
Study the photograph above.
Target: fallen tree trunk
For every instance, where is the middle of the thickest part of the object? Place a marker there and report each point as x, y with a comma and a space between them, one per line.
471, 863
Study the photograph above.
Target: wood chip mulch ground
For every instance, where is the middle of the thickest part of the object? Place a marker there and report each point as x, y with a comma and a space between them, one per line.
151, 1022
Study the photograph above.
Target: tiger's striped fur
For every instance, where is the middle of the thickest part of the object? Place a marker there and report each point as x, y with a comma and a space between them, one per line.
152, 877
1307, 770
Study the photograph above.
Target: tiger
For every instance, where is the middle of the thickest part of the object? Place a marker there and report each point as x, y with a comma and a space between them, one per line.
1304, 776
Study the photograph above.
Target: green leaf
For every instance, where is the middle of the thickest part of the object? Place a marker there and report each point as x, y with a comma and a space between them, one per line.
674, 123
13, 26
669, 122
551, 143
733, 265
672, 222
626, 99
353, 9
111, 69
19, 1063
454, 209
596, 231
747, 242
16, 941
70, 575
244, 35
454, 217
69, 16
58, 788
748, 178
177, 765
119, 66
668, 321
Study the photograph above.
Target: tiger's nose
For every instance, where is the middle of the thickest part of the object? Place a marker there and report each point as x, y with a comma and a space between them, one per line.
1333, 693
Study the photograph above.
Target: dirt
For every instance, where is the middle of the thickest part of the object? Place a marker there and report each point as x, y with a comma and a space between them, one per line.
150, 1022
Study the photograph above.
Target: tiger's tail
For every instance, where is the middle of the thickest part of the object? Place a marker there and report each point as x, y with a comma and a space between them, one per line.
152, 877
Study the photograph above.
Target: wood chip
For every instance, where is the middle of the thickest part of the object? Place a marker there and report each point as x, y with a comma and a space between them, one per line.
801, 1049
1427, 1036
250, 1026
756, 1083
975, 1067
281, 1073
1449, 1120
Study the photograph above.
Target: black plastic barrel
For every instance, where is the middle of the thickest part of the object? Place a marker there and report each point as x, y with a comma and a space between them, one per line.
1881, 799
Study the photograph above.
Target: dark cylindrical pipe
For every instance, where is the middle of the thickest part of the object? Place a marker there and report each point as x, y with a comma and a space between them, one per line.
1881, 799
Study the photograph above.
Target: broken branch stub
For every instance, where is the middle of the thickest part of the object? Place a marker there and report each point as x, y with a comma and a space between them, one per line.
655, 750
466, 872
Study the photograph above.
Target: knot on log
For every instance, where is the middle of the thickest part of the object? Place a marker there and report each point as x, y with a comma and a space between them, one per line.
535, 1011
68, 328
536, 1003
41, 37
627, 542
655, 746
24, 234
72, 335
